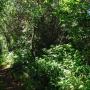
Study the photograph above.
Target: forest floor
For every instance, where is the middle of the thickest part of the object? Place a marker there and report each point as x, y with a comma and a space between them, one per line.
8, 81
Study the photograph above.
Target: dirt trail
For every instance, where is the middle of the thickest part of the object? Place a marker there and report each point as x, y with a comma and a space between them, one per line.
8, 81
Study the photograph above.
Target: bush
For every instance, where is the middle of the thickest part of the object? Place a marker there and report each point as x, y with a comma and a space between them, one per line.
61, 68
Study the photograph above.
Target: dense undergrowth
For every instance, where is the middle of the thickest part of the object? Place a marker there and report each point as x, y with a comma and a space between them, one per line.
46, 43
60, 68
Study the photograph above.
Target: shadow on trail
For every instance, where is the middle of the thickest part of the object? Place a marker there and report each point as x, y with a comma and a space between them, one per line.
8, 81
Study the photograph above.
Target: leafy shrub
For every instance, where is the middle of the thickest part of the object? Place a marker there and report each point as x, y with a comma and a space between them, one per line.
61, 68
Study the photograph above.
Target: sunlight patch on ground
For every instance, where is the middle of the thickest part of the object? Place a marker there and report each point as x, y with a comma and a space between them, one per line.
8, 59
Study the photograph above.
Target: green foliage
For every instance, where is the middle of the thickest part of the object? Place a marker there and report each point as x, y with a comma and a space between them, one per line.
61, 68
27, 30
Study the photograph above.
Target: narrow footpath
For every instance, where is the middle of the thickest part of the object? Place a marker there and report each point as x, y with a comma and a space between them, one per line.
8, 81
